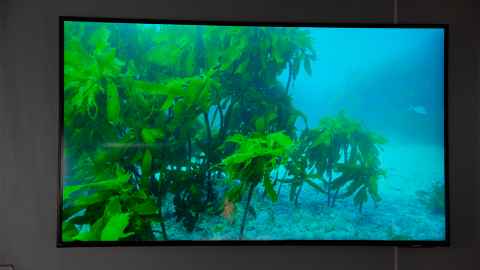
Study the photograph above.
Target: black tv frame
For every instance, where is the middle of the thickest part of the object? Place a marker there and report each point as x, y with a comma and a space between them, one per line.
403, 243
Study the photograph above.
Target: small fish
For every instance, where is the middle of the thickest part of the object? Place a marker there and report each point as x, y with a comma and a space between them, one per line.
417, 109
228, 210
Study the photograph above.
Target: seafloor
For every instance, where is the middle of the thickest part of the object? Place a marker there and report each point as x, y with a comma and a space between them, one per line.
399, 216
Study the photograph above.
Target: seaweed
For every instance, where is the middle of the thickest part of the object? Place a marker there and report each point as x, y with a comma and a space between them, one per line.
301, 168
343, 156
433, 198
157, 117
252, 163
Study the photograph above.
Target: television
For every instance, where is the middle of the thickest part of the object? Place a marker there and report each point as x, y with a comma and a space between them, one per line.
175, 132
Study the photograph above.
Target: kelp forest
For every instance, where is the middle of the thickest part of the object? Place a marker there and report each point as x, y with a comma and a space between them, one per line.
179, 132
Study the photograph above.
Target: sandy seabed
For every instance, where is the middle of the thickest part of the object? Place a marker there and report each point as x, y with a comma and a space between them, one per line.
399, 216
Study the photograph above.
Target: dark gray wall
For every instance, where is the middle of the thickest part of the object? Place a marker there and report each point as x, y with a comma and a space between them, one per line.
28, 138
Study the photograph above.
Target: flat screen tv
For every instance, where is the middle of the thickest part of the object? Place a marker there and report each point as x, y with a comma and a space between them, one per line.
231, 133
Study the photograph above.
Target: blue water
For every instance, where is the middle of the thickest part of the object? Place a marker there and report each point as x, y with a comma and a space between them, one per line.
379, 76
376, 75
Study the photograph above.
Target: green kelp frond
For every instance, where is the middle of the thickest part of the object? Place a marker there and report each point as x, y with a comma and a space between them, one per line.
269, 146
252, 163
109, 227
108, 197
346, 157
255, 158
118, 181
91, 70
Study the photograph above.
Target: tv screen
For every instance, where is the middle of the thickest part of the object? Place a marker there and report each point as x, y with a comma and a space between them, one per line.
184, 132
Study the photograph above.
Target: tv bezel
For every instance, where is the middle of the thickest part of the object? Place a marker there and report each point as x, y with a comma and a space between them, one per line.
404, 243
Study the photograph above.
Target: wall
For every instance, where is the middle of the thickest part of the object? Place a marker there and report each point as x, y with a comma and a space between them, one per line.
28, 126
3, 182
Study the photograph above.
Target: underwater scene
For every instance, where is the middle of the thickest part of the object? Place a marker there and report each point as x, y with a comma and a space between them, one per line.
210, 132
